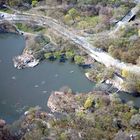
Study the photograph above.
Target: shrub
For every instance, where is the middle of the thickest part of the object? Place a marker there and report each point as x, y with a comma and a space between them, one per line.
48, 55
88, 103
71, 15
63, 136
79, 59
88, 22
67, 18
138, 85
139, 32
57, 54
125, 73
14, 2
70, 54
34, 3
115, 98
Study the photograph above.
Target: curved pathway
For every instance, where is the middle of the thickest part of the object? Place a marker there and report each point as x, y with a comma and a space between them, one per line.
64, 31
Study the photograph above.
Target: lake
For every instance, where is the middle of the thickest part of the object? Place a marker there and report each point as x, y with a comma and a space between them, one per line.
21, 89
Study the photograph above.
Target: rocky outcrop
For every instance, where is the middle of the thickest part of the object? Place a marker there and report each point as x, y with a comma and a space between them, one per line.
87, 74
6, 27
68, 102
62, 102
24, 61
33, 51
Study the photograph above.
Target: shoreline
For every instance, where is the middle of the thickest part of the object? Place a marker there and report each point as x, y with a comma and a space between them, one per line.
26, 58
29, 60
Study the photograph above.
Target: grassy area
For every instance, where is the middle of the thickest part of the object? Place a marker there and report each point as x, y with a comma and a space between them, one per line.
88, 22
29, 28
6, 10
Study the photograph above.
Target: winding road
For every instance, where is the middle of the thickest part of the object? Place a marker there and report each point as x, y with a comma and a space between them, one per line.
71, 35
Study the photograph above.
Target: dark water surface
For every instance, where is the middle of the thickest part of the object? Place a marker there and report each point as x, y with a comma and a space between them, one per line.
21, 89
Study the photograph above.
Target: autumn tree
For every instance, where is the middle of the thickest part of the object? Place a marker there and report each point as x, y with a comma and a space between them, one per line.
72, 15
